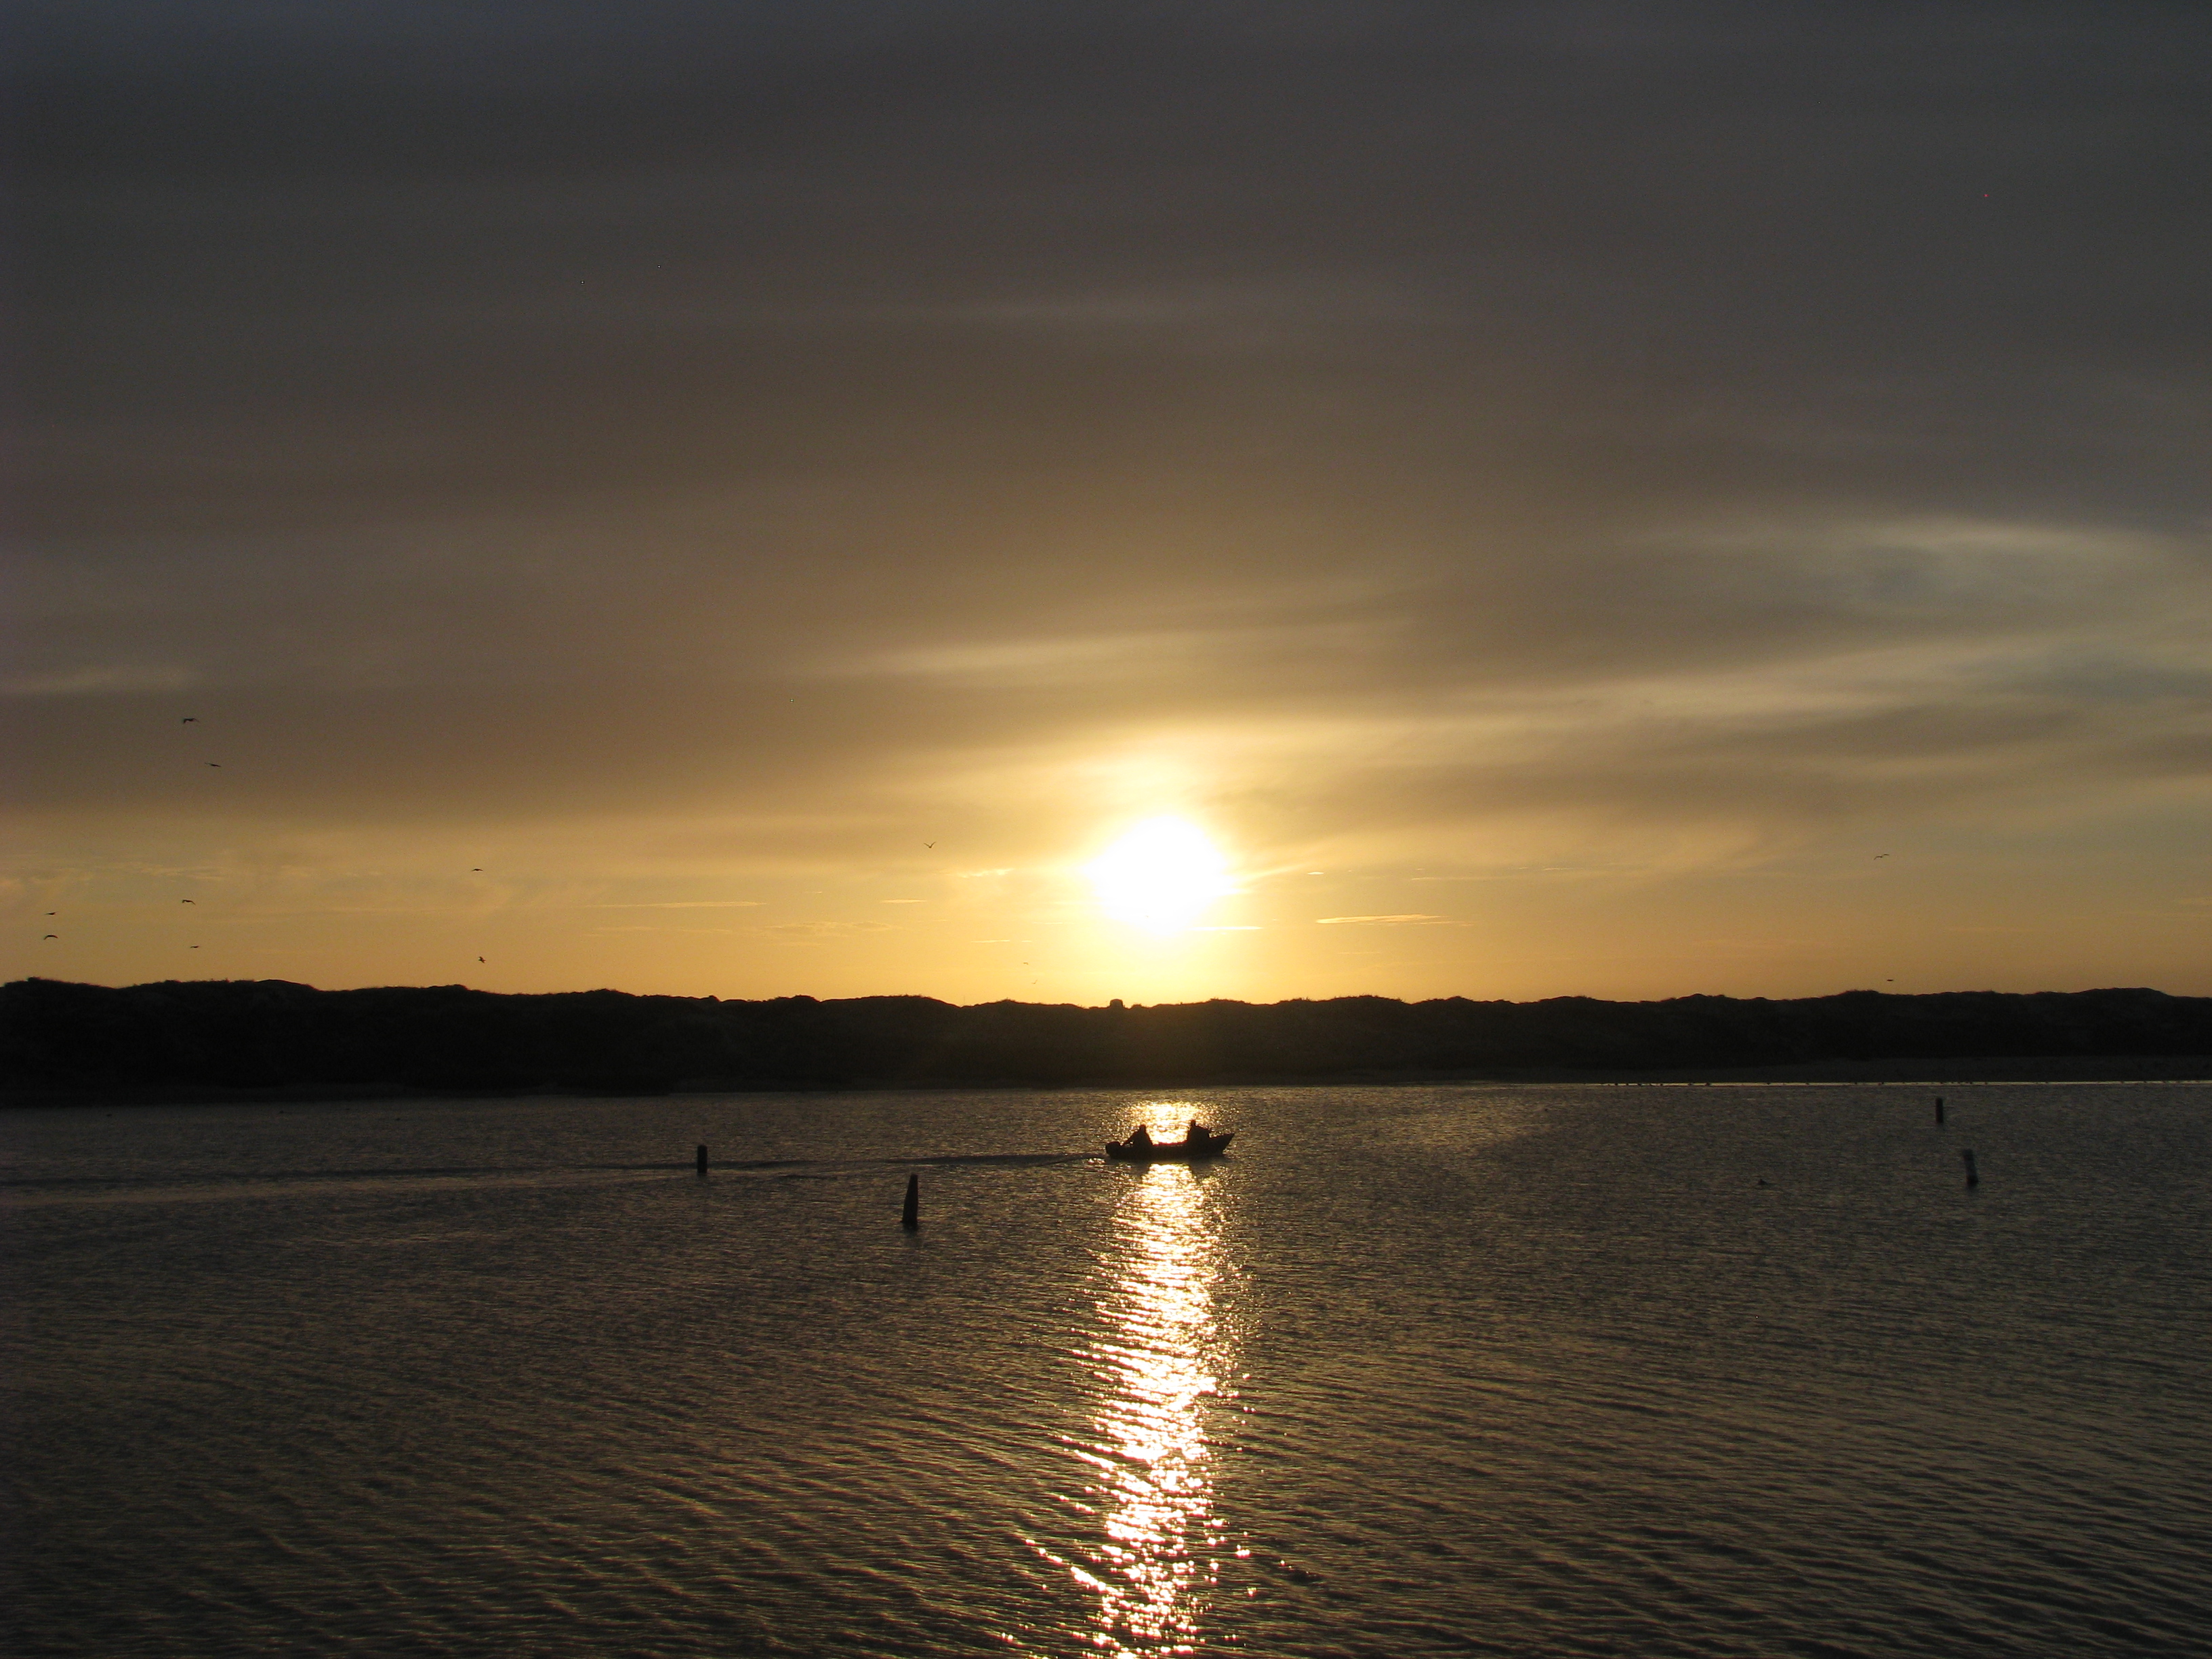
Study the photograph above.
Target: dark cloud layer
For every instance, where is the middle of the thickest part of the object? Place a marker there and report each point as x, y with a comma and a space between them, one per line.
1405, 413
689, 242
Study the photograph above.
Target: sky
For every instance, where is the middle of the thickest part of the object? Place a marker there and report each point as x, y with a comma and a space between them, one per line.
727, 499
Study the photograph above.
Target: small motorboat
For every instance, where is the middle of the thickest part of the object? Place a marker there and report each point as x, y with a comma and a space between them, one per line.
1199, 1142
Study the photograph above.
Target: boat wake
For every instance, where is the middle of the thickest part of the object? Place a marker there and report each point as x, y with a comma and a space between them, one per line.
45, 1192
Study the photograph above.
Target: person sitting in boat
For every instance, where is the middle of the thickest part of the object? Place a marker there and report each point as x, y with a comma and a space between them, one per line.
1196, 1132
1140, 1137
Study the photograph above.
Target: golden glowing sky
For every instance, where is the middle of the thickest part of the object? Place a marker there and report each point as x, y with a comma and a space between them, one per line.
1520, 501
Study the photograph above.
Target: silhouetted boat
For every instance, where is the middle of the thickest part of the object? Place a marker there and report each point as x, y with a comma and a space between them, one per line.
1200, 1142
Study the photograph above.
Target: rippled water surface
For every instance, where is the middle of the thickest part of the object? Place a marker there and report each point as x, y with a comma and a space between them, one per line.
1462, 1370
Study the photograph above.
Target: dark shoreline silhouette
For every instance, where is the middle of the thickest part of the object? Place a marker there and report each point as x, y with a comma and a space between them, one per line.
211, 1039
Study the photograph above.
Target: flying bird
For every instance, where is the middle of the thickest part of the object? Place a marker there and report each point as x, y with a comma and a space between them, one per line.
479, 958
216, 764
929, 843
53, 936
190, 720
1881, 855
184, 901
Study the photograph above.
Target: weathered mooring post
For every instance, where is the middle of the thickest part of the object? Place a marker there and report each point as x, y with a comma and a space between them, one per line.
1939, 1111
703, 1157
910, 1216
1973, 1179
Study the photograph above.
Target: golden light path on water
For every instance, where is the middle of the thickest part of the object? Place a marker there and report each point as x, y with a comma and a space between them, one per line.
1164, 1352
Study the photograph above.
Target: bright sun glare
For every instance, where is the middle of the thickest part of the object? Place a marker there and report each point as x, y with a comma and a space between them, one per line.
1161, 875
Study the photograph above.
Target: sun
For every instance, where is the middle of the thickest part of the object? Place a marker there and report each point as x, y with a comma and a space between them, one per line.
1161, 875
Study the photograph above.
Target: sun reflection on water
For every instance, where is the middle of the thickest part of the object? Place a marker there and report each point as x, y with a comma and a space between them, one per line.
1163, 1351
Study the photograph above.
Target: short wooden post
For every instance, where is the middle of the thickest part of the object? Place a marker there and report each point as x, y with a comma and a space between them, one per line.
703, 1157
1939, 1109
1972, 1178
910, 1217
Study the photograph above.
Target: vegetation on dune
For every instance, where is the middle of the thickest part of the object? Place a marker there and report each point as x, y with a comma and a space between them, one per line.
58, 1038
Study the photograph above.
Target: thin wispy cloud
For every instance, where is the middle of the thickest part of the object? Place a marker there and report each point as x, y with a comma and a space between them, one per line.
1374, 921
685, 904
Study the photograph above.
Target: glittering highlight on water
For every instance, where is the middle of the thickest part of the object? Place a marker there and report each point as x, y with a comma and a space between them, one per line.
1164, 1357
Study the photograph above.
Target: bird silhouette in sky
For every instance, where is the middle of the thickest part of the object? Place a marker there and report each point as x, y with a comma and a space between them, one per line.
190, 720
196, 947
1881, 855
216, 764
479, 958
929, 843
184, 900
477, 871
51, 936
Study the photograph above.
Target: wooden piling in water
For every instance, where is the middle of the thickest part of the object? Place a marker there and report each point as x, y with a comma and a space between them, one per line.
1973, 1178
703, 1157
910, 1216
1939, 1110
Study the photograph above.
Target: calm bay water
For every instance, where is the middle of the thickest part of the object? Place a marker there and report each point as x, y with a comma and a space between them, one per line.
1420, 1370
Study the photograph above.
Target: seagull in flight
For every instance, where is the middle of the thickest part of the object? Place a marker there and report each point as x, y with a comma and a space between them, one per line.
1881, 855
184, 900
51, 936
929, 843
216, 764
190, 720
